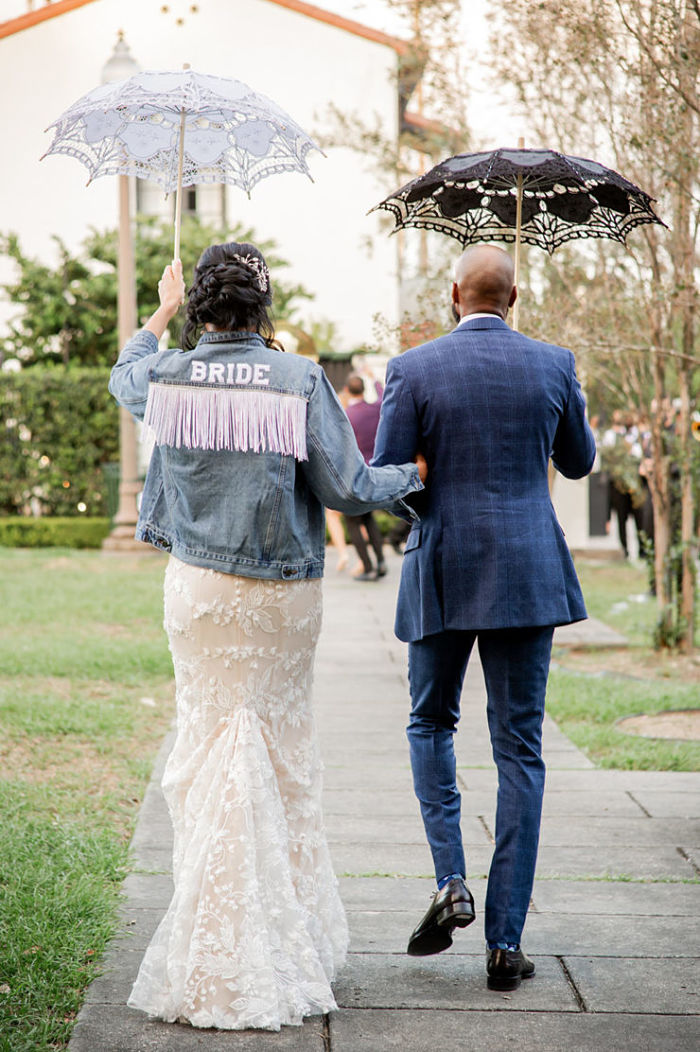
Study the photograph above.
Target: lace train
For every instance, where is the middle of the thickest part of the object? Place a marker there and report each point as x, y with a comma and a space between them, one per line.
255, 930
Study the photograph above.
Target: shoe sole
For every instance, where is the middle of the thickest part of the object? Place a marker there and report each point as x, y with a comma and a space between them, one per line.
459, 915
439, 937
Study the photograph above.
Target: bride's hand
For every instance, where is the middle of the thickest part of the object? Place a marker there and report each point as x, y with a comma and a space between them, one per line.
422, 466
171, 288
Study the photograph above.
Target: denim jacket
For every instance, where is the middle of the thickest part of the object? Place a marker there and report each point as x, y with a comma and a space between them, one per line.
251, 445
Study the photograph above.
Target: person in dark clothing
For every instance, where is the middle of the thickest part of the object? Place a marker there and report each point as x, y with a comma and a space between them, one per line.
364, 418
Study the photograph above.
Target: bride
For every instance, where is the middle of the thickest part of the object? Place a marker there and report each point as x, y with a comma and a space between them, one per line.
251, 444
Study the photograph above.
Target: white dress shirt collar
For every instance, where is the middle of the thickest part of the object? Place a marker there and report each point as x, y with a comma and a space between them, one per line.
481, 314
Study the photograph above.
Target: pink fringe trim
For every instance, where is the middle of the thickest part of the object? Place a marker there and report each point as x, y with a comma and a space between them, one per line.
227, 418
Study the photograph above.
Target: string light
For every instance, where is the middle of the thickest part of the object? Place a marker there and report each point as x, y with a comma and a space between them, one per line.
179, 12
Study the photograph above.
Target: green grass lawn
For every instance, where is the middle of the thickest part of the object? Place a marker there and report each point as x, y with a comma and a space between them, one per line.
85, 700
590, 692
617, 593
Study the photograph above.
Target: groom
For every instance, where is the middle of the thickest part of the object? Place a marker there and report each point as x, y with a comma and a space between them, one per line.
486, 563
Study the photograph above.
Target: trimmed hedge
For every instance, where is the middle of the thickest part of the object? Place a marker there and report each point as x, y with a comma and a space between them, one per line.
52, 532
60, 426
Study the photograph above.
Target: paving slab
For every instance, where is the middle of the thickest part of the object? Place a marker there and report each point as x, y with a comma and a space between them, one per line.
415, 1030
617, 832
383, 727
660, 986
406, 829
119, 969
621, 863
567, 759
153, 856
363, 860
668, 804
137, 925
152, 890
480, 775
624, 935
380, 776
598, 898
553, 861
377, 932
390, 803
369, 691
588, 633
692, 854
589, 804
446, 982
114, 1028
397, 894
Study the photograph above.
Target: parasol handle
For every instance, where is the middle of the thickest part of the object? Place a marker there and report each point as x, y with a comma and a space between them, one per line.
518, 229
178, 191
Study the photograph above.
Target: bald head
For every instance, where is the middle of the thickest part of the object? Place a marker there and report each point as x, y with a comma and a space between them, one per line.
484, 281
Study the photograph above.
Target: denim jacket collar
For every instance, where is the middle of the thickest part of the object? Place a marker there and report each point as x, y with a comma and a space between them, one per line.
237, 336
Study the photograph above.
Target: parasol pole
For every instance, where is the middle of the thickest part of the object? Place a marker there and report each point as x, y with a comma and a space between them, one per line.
518, 229
178, 191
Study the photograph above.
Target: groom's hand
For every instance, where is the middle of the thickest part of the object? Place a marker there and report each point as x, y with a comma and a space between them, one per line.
422, 466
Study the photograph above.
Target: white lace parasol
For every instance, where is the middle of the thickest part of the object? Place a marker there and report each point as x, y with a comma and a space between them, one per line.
179, 129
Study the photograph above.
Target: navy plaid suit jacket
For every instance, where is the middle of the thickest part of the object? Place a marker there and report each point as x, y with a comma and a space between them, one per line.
487, 407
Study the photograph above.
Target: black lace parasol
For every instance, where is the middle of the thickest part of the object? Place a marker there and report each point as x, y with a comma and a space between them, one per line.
539, 197
477, 197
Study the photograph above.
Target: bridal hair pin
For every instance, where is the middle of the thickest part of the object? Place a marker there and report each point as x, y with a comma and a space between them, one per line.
258, 267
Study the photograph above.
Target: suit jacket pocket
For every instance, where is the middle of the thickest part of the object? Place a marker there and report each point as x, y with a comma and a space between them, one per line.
412, 541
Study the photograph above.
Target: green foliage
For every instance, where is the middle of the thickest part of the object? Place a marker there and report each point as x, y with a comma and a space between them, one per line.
60, 427
52, 532
65, 308
69, 310
671, 626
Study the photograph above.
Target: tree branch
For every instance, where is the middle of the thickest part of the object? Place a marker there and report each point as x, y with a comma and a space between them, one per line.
658, 66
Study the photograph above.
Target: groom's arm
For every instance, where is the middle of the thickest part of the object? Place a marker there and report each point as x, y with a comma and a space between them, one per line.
398, 433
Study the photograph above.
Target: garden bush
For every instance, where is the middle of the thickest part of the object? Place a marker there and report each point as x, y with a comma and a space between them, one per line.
61, 426
22, 531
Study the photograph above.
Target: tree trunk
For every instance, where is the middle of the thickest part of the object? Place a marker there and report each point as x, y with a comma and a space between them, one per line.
660, 498
688, 540
685, 274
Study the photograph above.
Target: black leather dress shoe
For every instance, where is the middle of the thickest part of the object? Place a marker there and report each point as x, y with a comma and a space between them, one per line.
505, 969
382, 570
452, 907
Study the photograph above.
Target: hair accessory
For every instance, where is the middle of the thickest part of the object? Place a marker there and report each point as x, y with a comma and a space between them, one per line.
258, 267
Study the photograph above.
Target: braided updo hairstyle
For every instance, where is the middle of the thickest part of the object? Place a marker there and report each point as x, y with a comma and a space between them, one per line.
231, 290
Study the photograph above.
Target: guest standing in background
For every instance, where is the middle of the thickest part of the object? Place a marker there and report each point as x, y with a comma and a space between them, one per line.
364, 418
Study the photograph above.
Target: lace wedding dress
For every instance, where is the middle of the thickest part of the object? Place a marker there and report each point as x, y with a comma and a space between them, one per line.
255, 930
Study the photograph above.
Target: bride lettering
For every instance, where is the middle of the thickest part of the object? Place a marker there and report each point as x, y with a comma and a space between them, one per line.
230, 373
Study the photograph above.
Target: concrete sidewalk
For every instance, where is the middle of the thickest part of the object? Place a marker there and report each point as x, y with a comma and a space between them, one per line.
613, 927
